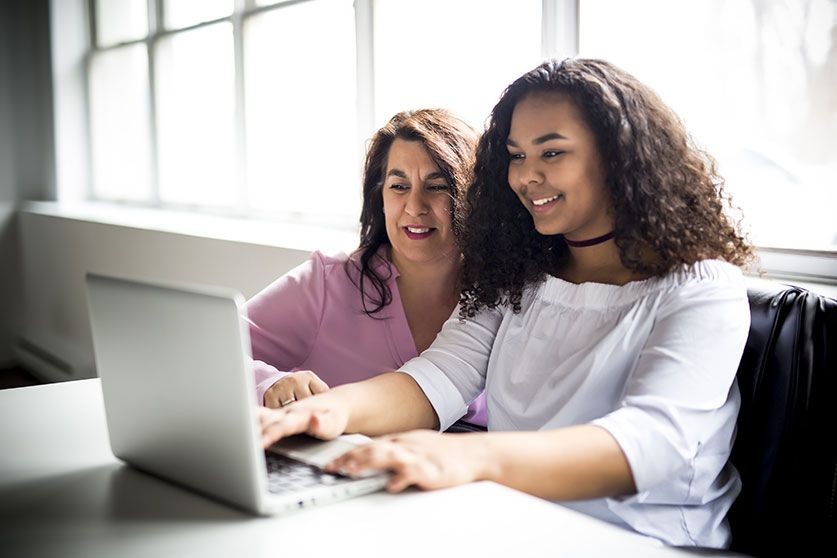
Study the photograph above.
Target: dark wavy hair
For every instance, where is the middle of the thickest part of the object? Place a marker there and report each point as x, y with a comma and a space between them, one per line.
451, 144
668, 199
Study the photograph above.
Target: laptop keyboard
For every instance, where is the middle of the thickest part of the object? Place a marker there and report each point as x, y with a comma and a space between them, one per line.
289, 475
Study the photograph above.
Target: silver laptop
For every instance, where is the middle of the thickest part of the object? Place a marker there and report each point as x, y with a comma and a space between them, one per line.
180, 399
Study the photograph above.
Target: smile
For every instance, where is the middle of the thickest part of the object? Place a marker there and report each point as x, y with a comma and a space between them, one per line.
544, 201
545, 205
418, 233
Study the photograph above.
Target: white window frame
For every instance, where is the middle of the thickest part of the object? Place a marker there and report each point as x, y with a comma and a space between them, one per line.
72, 24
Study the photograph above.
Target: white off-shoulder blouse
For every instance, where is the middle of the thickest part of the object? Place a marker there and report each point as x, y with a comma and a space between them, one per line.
653, 362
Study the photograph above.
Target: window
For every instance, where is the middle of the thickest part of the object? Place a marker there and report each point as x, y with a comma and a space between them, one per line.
756, 83
263, 107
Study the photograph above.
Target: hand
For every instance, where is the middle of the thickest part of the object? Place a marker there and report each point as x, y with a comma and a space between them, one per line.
423, 458
315, 416
293, 387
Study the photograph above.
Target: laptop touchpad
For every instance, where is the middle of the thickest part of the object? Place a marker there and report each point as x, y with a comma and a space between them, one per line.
318, 452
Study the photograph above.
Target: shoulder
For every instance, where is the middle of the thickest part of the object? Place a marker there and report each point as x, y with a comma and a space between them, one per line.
713, 289
330, 265
704, 278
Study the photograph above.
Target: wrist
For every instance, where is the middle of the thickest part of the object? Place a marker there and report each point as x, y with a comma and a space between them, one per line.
485, 462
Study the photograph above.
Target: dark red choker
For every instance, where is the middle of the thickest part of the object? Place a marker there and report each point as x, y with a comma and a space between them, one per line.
591, 242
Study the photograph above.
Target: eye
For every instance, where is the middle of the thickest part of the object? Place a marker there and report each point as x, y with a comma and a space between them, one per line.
438, 187
552, 153
399, 186
516, 156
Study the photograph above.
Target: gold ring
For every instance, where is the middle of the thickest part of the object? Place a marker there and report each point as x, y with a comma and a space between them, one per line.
288, 402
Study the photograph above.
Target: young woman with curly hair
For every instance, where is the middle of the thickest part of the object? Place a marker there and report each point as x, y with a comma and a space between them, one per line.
603, 311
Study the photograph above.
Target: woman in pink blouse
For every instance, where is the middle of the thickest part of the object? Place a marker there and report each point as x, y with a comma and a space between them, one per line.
339, 319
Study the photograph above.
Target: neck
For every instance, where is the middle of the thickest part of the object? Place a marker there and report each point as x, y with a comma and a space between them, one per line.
599, 263
436, 279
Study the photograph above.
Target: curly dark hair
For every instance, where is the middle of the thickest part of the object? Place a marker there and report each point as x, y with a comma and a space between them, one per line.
668, 199
451, 143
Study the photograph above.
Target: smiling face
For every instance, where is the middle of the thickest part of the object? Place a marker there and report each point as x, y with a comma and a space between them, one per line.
417, 205
555, 168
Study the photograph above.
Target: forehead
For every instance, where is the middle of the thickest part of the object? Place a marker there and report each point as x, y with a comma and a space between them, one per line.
543, 113
407, 155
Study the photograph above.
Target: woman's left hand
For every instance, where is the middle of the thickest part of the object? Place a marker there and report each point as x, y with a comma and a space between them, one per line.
424, 458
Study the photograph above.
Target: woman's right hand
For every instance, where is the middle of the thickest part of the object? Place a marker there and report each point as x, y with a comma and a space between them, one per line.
321, 417
293, 387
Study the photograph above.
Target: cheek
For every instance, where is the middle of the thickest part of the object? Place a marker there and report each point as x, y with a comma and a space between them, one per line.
512, 180
443, 208
391, 215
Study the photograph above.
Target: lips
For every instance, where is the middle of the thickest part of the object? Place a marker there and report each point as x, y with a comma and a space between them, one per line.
418, 232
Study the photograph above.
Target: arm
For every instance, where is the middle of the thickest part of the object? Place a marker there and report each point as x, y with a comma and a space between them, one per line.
574, 463
284, 320
390, 402
671, 408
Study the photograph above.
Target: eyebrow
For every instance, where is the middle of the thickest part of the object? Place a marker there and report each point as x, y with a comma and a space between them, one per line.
401, 174
540, 139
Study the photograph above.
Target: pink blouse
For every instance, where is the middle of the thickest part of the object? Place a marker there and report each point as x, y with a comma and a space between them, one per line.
312, 319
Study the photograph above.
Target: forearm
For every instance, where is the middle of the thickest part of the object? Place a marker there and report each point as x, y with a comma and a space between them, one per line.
574, 463
391, 402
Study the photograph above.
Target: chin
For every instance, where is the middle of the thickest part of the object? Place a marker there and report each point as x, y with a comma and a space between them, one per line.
547, 230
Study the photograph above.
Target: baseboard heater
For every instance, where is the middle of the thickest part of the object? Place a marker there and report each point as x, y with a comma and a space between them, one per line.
44, 364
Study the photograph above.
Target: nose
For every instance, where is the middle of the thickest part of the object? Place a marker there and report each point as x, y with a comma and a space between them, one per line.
417, 203
529, 173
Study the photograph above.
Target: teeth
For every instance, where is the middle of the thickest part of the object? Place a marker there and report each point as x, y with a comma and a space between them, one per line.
418, 230
543, 201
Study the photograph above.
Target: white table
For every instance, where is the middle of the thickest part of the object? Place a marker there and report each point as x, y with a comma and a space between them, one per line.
62, 493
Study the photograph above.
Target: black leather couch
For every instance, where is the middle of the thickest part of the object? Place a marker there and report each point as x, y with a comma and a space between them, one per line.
786, 444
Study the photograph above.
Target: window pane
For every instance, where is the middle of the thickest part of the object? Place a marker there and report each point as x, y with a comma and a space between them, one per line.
119, 21
196, 116
755, 82
457, 55
183, 13
120, 119
301, 126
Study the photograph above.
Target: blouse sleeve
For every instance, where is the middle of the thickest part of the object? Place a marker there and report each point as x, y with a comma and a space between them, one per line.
284, 321
672, 404
451, 372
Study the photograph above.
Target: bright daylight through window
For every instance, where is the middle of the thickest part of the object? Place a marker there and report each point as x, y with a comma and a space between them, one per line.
265, 112
756, 83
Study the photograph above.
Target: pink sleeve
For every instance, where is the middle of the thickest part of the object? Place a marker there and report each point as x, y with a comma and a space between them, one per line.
284, 321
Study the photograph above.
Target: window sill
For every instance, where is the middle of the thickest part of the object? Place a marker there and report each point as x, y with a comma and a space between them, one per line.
231, 229
816, 271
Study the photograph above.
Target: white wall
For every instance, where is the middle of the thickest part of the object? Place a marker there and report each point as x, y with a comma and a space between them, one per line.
25, 141
57, 252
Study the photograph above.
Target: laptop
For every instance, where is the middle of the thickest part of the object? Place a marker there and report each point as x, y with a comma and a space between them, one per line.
180, 399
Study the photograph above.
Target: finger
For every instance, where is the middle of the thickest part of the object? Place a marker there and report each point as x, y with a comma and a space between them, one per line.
377, 455
284, 424
324, 425
400, 482
301, 389
316, 385
279, 392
